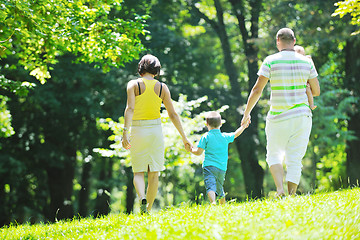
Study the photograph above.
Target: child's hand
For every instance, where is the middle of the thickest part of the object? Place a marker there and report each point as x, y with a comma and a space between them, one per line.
245, 123
196, 150
246, 120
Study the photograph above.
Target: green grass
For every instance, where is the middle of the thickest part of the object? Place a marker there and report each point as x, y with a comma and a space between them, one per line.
333, 215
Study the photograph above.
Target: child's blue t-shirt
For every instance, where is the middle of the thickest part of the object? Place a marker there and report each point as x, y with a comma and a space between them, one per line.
215, 143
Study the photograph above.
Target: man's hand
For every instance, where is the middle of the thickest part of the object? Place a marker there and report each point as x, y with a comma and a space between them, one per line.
246, 120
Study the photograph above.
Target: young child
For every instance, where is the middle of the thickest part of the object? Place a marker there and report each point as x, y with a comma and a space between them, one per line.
215, 143
301, 50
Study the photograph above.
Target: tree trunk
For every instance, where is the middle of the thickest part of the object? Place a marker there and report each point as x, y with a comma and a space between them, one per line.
253, 173
219, 28
85, 189
4, 212
353, 152
246, 145
60, 182
103, 197
130, 193
352, 69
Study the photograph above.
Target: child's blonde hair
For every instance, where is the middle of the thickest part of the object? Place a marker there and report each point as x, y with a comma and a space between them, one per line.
299, 49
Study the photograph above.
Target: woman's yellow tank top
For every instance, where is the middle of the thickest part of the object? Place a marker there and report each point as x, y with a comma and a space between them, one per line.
148, 104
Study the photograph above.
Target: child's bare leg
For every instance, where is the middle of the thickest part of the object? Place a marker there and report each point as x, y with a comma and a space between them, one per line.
222, 200
212, 197
310, 97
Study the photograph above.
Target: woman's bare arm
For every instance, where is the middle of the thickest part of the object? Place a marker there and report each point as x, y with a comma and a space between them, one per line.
174, 117
128, 114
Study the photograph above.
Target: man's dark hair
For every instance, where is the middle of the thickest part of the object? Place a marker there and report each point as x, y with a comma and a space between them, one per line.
213, 119
149, 64
286, 35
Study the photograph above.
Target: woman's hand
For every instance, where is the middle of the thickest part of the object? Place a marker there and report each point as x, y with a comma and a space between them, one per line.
187, 144
126, 141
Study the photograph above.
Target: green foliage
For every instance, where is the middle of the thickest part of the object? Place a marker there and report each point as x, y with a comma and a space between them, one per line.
325, 39
329, 132
323, 216
53, 125
5, 119
314, 28
19, 88
351, 7
331, 173
55, 118
175, 153
38, 31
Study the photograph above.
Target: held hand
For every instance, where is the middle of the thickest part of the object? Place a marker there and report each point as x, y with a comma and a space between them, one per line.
188, 147
187, 144
126, 142
246, 124
246, 120
193, 149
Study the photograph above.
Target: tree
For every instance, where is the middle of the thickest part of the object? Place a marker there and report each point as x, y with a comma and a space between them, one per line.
5, 119
54, 128
330, 130
37, 32
82, 28
246, 146
352, 70
327, 39
352, 67
351, 7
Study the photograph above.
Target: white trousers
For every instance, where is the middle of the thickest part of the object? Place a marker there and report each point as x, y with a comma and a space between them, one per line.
288, 140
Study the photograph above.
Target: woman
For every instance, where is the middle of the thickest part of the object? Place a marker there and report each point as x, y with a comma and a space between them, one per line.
144, 98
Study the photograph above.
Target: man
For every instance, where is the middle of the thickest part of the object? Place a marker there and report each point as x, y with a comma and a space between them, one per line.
288, 123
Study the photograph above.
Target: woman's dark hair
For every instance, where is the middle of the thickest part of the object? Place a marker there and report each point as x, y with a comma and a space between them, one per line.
149, 64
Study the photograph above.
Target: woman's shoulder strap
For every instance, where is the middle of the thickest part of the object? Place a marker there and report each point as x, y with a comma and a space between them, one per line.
160, 89
139, 87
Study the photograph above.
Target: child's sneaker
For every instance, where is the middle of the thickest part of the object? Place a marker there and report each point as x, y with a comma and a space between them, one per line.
143, 205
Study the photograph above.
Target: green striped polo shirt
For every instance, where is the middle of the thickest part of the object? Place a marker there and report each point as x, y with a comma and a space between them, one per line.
288, 73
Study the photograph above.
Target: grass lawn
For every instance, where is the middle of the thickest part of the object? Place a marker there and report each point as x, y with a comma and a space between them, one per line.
334, 215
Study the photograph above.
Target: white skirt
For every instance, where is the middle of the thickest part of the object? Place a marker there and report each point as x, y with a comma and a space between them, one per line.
147, 146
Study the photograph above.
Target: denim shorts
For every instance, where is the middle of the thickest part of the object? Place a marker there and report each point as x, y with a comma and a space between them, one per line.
214, 180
